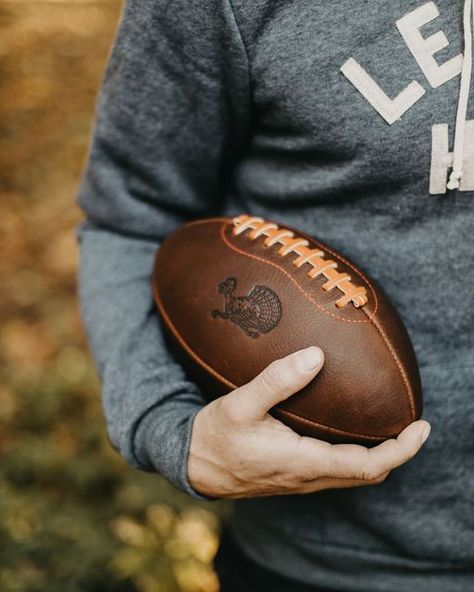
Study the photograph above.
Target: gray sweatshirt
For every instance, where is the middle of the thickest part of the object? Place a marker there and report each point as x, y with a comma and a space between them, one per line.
347, 120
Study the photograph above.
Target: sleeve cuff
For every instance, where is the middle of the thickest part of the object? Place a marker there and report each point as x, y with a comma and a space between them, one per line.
162, 441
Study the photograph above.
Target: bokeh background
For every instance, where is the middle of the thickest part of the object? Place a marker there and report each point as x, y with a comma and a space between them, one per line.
73, 516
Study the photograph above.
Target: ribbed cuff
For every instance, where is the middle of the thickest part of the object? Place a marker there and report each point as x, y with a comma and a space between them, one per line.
163, 439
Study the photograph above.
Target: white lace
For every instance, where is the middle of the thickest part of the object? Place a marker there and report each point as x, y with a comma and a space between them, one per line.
458, 153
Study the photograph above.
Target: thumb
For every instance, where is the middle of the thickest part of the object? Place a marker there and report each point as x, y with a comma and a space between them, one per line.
279, 380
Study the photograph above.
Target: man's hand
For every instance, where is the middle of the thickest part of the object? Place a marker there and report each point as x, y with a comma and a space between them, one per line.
239, 450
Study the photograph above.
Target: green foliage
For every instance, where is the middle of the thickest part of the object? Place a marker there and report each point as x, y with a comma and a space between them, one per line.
73, 516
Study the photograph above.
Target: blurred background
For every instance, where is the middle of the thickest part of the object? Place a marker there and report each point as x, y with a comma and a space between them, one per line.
73, 516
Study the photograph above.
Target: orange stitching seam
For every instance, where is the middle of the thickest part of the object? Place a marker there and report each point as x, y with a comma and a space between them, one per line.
212, 371
369, 318
230, 384
384, 337
330, 428
411, 401
301, 289
291, 242
183, 343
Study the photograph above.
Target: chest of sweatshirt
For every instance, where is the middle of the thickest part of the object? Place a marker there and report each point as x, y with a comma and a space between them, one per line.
356, 103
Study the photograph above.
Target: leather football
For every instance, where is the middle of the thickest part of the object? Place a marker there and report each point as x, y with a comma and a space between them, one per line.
234, 294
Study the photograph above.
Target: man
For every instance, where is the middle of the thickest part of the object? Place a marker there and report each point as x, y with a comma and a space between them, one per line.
347, 120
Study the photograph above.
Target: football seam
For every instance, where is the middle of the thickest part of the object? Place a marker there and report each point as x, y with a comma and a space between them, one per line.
231, 385
370, 317
401, 369
300, 288
329, 428
183, 342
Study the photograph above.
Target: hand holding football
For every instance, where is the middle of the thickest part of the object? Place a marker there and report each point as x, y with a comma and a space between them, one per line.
236, 294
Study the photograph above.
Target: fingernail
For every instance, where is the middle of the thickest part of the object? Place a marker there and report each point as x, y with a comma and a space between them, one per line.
309, 359
425, 434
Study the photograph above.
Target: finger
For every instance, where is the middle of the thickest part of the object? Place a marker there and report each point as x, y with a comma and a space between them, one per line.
277, 382
328, 483
317, 485
358, 462
395, 452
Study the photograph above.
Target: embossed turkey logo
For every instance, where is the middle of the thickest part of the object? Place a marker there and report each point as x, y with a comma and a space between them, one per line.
258, 312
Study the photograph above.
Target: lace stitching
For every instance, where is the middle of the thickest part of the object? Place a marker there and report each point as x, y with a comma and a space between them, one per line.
315, 257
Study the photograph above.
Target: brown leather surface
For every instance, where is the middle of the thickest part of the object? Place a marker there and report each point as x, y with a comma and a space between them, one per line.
369, 388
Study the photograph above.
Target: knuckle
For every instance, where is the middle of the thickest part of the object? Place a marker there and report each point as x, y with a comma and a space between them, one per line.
378, 474
408, 450
370, 472
272, 377
381, 478
231, 409
303, 473
302, 470
305, 476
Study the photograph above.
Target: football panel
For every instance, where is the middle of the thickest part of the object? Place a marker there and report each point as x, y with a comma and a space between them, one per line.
345, 394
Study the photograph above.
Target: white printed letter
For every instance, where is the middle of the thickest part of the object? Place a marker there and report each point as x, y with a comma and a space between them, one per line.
423, 49
442, 159
389, 109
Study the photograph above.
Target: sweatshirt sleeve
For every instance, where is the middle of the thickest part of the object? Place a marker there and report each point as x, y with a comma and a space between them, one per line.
171, 121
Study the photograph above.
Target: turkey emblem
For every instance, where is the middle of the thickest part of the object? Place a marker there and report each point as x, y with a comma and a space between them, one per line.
258, 312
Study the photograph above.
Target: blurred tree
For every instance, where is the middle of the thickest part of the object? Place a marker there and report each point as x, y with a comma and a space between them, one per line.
73, 517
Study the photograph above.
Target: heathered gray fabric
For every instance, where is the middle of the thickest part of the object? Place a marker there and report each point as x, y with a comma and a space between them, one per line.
208, 107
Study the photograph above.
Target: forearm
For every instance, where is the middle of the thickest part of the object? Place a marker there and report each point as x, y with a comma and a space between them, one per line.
148, 402
171, 120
